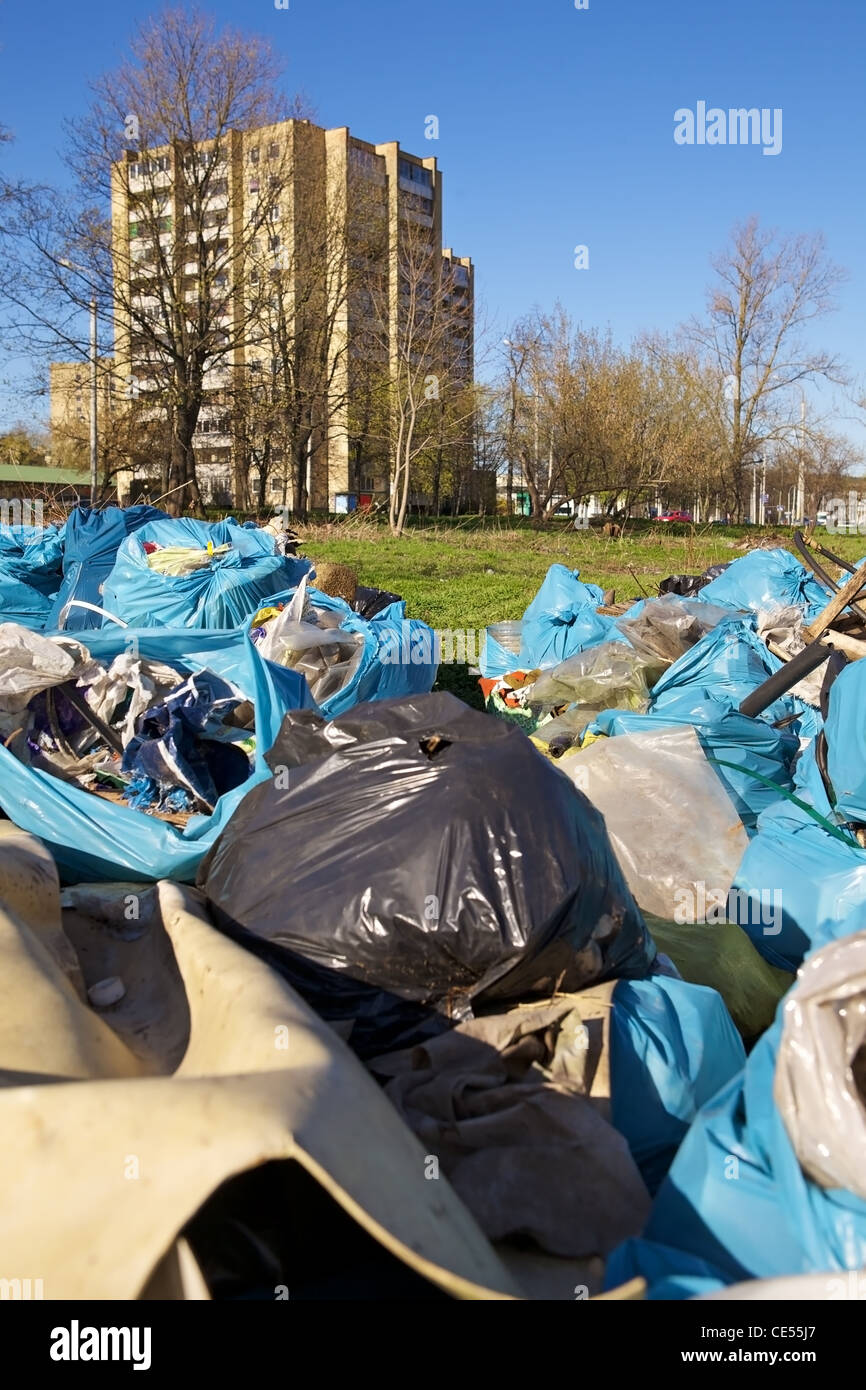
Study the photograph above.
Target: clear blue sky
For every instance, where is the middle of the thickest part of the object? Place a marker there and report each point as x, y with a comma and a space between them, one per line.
556, 128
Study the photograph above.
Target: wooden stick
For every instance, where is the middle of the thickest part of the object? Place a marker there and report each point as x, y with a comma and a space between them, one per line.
846, 594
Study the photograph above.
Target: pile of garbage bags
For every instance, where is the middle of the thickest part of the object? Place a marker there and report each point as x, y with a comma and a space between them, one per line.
588, 978
137, 701
739, 821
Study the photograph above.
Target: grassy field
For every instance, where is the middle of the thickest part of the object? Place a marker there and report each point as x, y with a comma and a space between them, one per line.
463, 576
460, 578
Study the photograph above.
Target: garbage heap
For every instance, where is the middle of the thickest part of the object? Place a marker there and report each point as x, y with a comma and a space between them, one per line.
718, 728
319, 984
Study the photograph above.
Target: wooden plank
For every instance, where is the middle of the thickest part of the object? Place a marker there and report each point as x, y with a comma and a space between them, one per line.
846, 595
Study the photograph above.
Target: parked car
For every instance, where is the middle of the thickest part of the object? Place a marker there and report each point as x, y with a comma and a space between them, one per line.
675, 516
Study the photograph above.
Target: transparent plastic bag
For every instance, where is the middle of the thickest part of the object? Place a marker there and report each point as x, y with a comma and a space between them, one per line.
674, 829
666, 628
609, 676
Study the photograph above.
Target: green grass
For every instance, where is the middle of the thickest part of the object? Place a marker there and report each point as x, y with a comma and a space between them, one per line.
464, 576
462, 579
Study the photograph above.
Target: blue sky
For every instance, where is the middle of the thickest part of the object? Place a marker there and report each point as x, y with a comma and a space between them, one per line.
556, 129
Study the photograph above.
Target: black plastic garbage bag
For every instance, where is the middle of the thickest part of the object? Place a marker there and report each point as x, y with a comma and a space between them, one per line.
369, 602
414, 859
687, 584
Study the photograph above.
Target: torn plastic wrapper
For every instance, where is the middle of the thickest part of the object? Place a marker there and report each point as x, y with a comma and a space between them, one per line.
326, 656
664, 629
820, 1084
30, 664
387, 656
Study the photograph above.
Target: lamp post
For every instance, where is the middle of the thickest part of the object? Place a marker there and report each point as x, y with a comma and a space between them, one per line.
801, 463
525, 348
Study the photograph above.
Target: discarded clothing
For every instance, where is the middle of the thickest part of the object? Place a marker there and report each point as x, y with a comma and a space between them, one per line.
514, 1107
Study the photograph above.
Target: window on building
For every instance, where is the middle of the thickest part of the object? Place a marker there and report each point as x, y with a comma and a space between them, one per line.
254, 155
416, 173
254, 185
273, 150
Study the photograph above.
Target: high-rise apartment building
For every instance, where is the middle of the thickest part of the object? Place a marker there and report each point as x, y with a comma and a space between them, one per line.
310, 238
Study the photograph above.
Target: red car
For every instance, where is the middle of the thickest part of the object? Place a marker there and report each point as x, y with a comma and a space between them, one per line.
675, 516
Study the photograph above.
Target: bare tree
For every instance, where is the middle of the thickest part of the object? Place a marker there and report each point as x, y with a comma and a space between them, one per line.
420, 350
769, 290
151, 232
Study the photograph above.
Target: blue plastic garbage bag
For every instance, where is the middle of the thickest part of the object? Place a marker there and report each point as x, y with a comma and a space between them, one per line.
400, 655
221, 595
845, 731
760, 753
91, 541
673, 1045
818, 880
727, 664
31, 571
560, 621
803, 852
765, 580
182, 747
94, 839
737, 1205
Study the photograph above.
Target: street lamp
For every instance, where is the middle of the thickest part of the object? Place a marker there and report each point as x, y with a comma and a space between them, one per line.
757, 517
801, 464
524, 348
94, 454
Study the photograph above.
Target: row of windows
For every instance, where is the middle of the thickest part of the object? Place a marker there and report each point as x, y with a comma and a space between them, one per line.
149, 166
273, 152
416, 173
273, 182
164, 224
